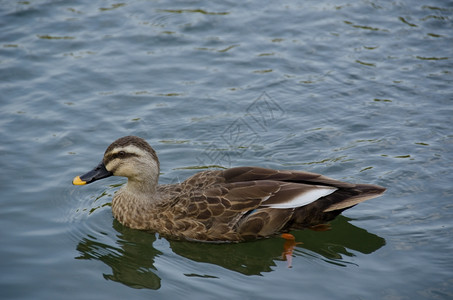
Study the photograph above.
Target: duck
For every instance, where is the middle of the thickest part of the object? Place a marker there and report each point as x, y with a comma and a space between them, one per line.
227, 205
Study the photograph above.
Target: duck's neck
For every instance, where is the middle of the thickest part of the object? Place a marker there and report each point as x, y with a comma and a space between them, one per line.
134, 202
145, 190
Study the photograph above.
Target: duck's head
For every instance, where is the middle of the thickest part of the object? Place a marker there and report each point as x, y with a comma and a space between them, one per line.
130, 157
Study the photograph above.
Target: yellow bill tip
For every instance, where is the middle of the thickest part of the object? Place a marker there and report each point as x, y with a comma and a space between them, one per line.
78, 181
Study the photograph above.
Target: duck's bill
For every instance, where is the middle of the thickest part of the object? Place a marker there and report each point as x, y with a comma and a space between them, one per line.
97, 173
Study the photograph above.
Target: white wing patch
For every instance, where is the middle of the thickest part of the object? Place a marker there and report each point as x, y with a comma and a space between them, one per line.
305, 198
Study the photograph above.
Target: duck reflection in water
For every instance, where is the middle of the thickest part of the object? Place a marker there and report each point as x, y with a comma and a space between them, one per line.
131, 254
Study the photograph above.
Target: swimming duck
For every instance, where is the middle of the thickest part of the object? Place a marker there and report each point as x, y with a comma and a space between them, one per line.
236, 204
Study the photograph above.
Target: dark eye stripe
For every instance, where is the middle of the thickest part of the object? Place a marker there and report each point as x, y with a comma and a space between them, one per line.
121, 155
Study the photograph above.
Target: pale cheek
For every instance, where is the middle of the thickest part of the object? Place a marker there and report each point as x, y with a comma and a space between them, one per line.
111, 166
126, 171
115, 167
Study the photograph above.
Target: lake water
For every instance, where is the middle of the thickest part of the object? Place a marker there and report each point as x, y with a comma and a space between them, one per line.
360, 91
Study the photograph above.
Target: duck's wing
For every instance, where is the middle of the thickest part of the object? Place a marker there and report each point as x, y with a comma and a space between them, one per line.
303, 199
346, 195
251, 208
255, 202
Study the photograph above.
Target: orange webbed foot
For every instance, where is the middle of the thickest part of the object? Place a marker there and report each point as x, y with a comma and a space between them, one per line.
288, 247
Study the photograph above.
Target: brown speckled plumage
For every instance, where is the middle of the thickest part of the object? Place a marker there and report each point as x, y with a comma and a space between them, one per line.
236, 204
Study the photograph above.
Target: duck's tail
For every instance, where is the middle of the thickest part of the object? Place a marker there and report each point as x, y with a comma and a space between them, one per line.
327, 208
360, 193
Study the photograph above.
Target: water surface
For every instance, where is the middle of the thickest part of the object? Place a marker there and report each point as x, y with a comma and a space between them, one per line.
360, 91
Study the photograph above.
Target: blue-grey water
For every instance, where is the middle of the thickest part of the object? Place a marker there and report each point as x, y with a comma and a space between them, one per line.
360, 91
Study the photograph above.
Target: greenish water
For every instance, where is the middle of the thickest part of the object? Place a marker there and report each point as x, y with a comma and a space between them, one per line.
360, 91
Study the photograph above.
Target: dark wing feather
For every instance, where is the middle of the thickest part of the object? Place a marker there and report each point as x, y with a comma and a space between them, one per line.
254, 173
